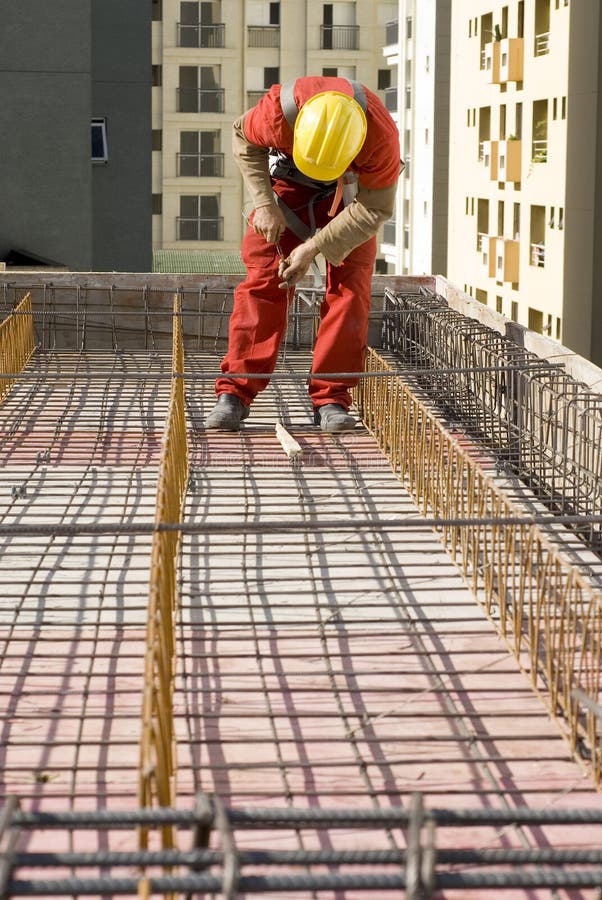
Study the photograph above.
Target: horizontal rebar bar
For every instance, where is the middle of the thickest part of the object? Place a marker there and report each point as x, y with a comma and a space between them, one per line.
19, 529
303, 882
289, 376
288, 817
203, 858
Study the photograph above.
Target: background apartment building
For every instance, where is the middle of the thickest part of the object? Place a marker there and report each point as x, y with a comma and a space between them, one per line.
417, 50
214, 60
524, 205
75, 126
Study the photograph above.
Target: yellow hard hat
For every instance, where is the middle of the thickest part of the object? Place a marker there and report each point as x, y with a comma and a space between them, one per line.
329, 133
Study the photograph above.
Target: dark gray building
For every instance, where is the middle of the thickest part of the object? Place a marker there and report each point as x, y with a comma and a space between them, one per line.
75, 133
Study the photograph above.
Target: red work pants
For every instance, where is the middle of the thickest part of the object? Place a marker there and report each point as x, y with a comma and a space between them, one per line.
259, 317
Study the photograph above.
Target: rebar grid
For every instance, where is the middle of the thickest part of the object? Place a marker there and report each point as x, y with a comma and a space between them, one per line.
537, 601
542, 424
16, 344
157, 745
421, 869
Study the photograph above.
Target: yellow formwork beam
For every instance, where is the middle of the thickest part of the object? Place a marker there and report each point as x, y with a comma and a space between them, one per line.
157, 772
17, 344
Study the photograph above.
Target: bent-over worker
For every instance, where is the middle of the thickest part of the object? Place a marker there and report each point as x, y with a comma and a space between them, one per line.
320, 159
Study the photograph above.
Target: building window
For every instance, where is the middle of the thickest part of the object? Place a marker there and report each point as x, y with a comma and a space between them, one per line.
535, 320
157, 76
100, 150
329, 72
271, 75
200, 155
199, 219
157, 139
199, 25
538, 237
199, 90
157, 204
560, 218
384, 79
564, 107
274, 13
409, 27
157, 10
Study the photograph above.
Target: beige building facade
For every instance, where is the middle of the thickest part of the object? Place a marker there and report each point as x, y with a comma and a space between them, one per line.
213, 60
524, 162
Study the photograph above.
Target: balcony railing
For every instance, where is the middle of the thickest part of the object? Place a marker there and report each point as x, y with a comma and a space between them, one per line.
540, 151
254, 97
538, 255
391, 101
483, 246
205, 36
196, 229
263, 35
392, 33
542, 43
197, 100
339, 37
201, 165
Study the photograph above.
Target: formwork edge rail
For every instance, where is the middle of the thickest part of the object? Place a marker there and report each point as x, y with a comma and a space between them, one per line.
539, 603
157, 743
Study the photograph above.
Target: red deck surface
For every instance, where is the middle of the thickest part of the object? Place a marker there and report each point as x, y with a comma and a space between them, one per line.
341, 669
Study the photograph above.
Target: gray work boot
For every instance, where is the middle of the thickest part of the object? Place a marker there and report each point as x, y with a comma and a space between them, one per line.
227, 414
333, 417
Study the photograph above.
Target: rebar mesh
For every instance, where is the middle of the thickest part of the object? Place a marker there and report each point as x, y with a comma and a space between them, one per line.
536, 599
541, 423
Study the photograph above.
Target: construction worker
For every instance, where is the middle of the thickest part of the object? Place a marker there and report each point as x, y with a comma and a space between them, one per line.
320, 158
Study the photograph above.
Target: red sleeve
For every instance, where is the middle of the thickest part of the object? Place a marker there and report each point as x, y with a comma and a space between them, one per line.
378, 162
265, 125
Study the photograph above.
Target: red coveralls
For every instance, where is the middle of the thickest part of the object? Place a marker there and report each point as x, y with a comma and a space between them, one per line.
259, 316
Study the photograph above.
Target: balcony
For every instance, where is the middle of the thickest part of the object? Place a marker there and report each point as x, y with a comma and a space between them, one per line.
196, 229
263, 35
542, 43
253, 97
511, 61
509, 161
491, 59
392, 33
538, 255
540, 151
205, 36
489, 155
198, 100
485, 246
339, 37
505, 261
200, 165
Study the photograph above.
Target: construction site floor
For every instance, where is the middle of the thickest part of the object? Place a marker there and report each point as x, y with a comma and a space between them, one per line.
345, 667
